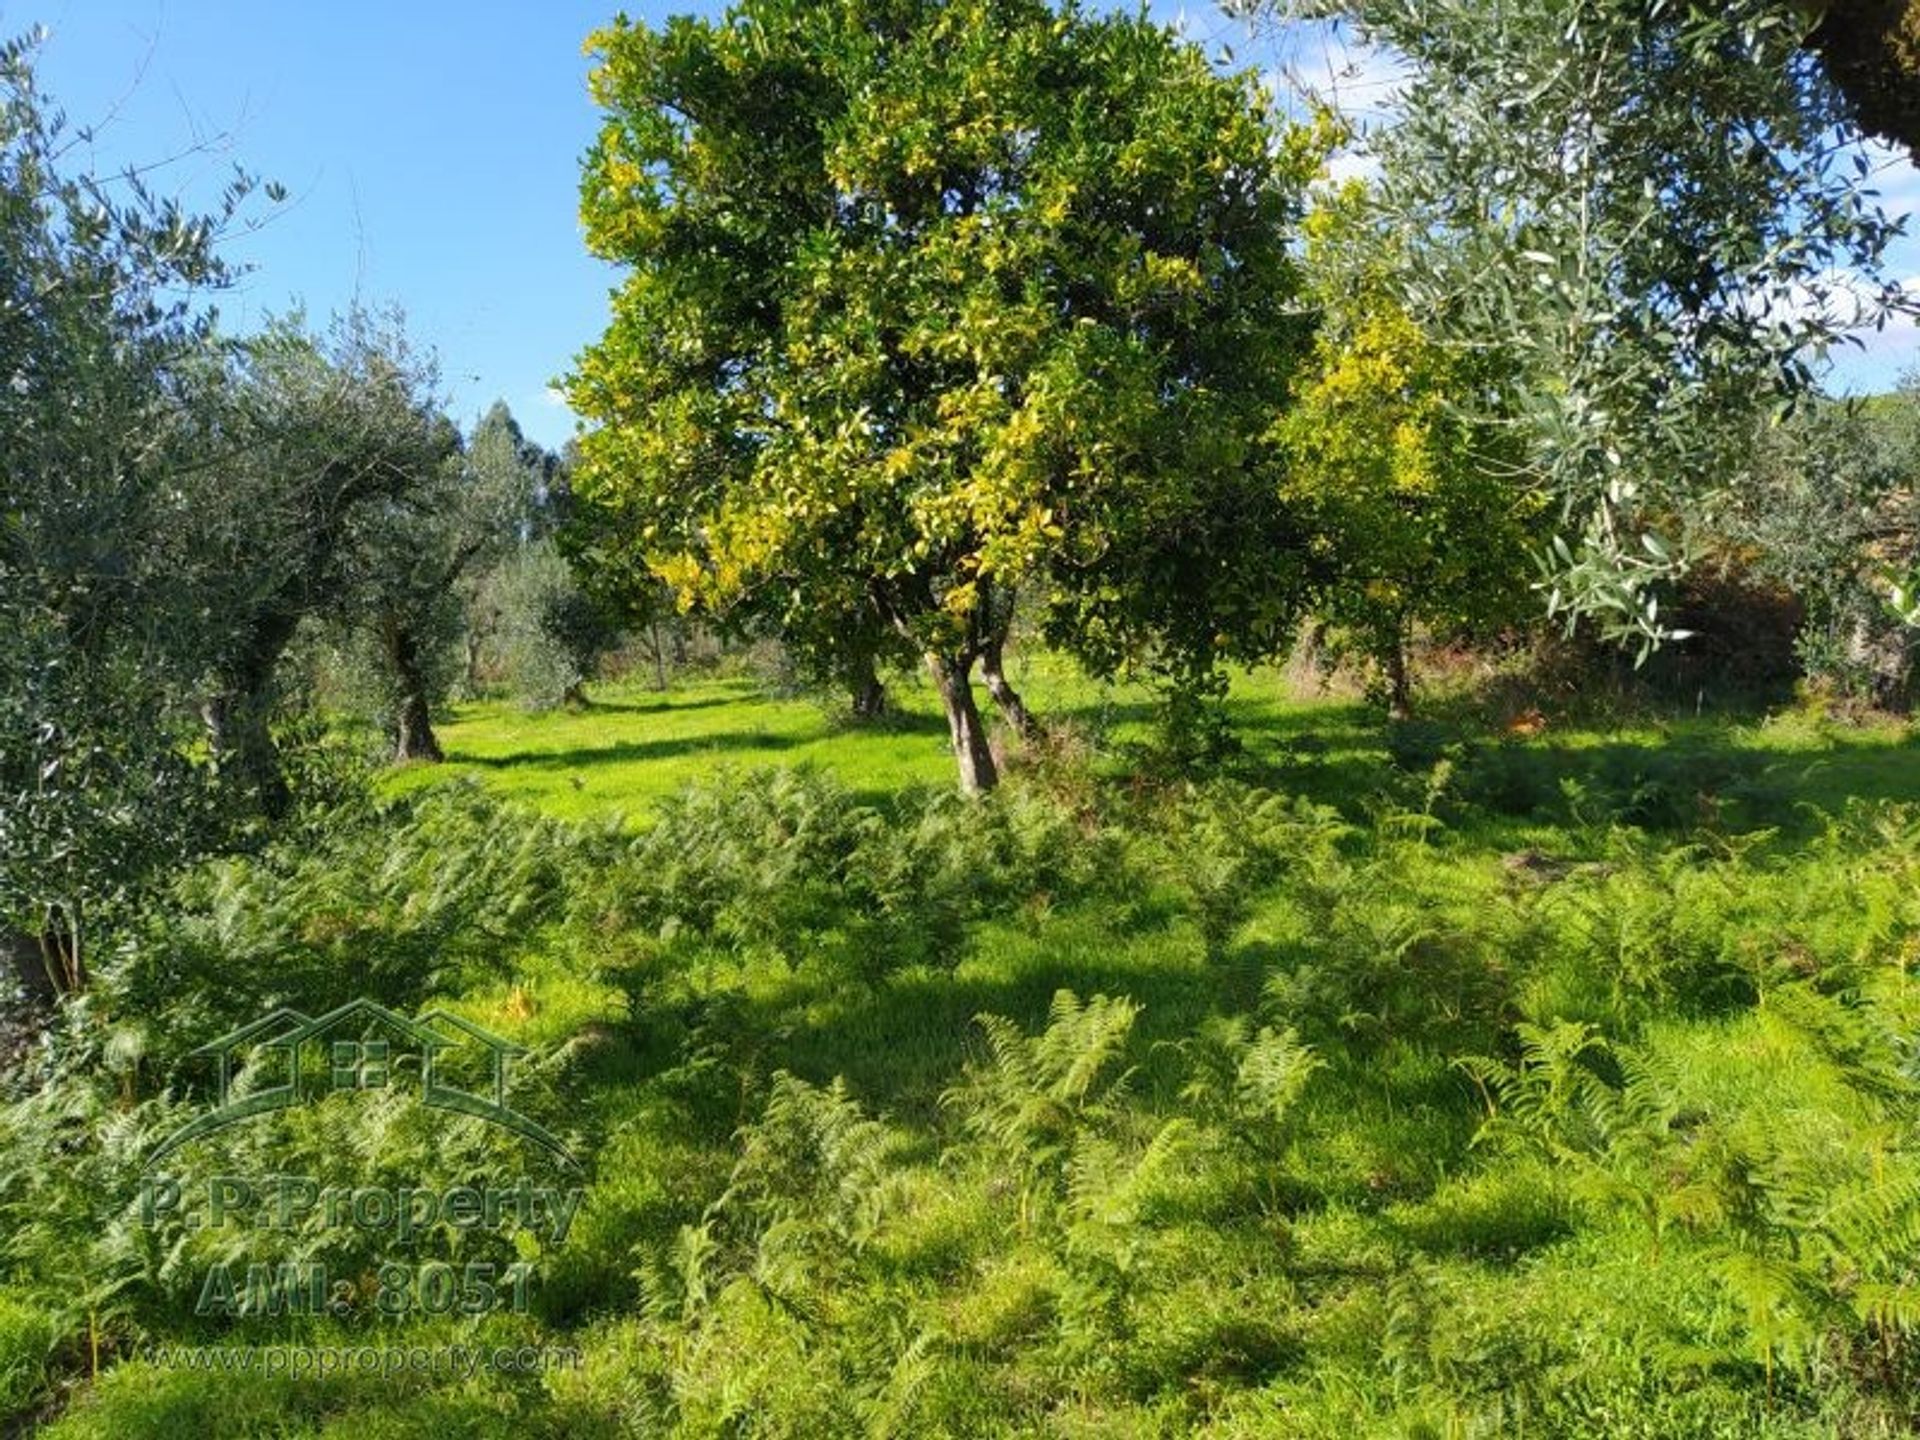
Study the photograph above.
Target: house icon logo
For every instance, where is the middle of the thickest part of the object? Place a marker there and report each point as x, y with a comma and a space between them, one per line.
284, 1058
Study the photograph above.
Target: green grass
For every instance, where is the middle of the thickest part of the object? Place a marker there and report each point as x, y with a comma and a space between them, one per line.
1445, 1083
634, 744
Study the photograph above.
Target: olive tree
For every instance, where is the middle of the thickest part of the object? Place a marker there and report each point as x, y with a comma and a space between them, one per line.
319, 494
102, 329
1656, 214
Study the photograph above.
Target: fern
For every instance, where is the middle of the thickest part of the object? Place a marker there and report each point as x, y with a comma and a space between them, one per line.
1035, 1092
1247, 1085
678, 1284
813, 1160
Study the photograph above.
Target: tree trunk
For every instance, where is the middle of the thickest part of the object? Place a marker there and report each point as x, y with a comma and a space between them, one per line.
60, 949
869, 698
50, 965
953, 678
1399, 683
238, 717
869, 695
659, 655
473, 661
1879, 651
413, 737
1011, 706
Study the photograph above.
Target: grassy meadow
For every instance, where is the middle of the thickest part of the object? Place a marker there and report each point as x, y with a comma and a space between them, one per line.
1424, 1080
636, 744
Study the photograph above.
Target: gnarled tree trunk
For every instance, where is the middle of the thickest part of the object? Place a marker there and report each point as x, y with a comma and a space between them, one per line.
238, 717
413, 737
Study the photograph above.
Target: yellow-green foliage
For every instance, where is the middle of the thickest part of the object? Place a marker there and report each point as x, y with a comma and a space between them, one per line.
930, 299
1415, 505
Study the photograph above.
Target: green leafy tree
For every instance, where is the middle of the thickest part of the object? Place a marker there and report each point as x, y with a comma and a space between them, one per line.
554, 631
931, 303
1838, 521
1417, 505
500, 457
1653, 214
433, 564
561, 613
407, 557
102, 328
564, 611
316, 448
174, 505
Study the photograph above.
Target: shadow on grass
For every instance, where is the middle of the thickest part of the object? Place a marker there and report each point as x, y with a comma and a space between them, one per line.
632, 751
664, 703
903, 1043
1670, 786
894, 722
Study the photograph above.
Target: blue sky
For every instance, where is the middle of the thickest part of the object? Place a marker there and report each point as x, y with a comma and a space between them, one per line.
431, 152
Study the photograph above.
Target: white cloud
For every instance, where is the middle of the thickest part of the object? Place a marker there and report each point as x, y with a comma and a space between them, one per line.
1837, 298
1882, 356
1352, 165
1321, 63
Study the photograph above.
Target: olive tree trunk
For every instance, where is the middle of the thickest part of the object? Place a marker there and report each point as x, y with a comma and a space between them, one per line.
238, 717
413, 737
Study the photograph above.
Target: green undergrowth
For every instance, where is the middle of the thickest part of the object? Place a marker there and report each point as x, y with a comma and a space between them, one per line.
1420, 1083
